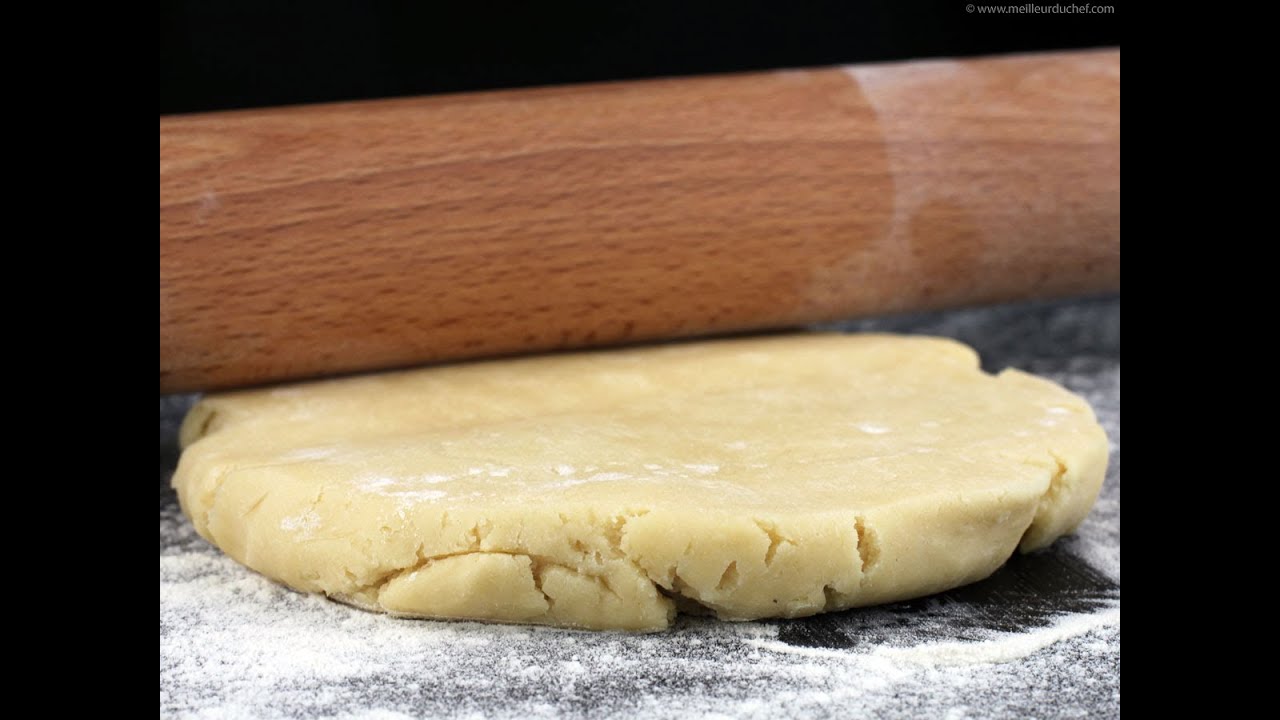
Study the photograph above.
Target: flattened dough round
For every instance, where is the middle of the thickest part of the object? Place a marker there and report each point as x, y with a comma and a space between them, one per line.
751, 478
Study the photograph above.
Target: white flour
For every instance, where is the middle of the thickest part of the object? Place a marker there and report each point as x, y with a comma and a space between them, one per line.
234, 644
999, 648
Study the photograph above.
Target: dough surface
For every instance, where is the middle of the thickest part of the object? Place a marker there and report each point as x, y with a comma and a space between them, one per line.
749, 478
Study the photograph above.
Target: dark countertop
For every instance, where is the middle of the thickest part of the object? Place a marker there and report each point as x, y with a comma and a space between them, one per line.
1040, 638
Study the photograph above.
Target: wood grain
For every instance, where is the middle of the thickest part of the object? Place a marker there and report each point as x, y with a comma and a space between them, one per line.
305, 241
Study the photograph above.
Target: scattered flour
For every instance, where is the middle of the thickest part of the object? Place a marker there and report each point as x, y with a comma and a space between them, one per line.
999, 648
305, 523
235, 645
703, 468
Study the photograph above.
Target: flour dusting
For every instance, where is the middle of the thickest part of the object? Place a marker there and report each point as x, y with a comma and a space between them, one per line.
236, 645
305, 523
703, 468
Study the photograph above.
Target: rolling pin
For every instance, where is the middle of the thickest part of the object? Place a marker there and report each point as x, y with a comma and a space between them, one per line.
306, 241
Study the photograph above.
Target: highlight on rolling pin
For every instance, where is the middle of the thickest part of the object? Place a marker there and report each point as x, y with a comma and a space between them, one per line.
305, 241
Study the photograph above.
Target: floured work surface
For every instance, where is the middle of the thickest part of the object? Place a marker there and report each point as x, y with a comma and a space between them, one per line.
749, 478
233, 641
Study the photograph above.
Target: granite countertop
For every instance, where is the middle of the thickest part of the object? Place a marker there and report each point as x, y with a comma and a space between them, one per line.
1040, 638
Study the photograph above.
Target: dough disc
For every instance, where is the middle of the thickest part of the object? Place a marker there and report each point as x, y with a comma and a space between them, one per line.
750, 478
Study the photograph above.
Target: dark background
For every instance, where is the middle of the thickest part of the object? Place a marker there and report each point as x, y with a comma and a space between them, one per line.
222, 54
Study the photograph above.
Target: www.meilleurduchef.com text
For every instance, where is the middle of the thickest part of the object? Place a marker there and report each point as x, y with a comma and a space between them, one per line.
1033, 9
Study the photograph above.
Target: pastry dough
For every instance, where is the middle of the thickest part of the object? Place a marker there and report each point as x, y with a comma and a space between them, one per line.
750, 478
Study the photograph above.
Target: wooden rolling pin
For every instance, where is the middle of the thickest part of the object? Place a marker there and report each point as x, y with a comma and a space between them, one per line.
306, 241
